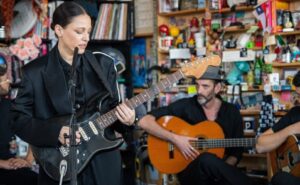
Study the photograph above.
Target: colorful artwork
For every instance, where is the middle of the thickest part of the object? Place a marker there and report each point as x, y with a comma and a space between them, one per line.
138, 62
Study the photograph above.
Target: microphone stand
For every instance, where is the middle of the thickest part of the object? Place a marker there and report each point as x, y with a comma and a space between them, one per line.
73, 120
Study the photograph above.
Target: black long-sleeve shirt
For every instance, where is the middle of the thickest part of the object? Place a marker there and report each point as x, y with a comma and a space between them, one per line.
290, 118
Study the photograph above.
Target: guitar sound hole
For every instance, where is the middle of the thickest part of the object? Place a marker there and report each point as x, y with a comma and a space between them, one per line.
291, 159
202, 143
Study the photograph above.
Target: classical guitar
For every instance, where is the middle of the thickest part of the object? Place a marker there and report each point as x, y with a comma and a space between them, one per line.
287, 156
166, 158
92, 129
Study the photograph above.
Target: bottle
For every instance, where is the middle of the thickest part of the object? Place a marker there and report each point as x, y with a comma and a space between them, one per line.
258, 70
288, 54
250, 77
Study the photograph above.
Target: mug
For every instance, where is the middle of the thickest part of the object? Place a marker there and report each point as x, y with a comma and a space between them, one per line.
249, 124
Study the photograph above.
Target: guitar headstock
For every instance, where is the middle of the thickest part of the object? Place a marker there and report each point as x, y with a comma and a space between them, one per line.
198, 67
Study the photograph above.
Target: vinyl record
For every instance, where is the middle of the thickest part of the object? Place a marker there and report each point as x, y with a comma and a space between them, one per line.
24, 19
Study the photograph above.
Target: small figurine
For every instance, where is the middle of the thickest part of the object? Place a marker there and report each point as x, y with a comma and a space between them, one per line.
163, 30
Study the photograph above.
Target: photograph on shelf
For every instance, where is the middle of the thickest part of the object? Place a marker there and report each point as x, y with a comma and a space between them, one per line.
138, 62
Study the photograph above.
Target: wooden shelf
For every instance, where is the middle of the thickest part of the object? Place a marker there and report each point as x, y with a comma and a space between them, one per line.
238, 49
257, 112
249, 112
228, 10
249, 134
251, 89
143, 35
288, 33
278, 64
280, 113
182, 12
162, 51
232, 29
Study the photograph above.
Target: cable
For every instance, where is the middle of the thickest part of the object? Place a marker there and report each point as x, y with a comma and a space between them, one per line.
63, 166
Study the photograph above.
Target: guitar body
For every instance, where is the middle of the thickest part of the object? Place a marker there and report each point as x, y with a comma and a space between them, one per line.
166, 157
284, 157
49, 158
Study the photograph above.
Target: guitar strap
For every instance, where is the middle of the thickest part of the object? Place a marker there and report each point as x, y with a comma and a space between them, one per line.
266, 117
95, 64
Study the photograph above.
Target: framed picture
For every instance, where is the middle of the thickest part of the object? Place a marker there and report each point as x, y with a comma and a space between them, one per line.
296, 19
188, 4
289, 73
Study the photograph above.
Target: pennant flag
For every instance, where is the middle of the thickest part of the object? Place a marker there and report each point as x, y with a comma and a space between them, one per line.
263, 14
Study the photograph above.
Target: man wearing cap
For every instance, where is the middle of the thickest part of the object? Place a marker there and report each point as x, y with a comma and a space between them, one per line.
206, 168
272, 138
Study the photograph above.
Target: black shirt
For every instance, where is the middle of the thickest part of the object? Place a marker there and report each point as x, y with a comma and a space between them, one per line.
6, 134
79, 89
188, 109
290, 118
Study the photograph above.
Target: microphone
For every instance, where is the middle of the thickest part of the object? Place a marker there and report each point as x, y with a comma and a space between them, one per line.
63, 166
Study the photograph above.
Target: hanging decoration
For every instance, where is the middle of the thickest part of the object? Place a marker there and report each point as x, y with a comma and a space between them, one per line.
26, 49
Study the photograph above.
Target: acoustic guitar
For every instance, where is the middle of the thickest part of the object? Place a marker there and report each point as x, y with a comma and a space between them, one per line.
92, 129
287, 156
168, 159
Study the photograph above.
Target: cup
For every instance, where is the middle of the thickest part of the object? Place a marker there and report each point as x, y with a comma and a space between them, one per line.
249, 124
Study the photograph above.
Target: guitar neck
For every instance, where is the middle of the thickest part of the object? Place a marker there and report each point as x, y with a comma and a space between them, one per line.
110, 117
224, 143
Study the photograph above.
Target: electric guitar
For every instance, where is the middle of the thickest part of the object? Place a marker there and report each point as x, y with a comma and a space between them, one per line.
168, 159
287, 156
92, 129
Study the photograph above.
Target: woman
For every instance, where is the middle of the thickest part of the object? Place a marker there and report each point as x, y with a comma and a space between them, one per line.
43, 95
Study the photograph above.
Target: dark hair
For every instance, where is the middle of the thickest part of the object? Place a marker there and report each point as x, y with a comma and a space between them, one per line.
65, 12
296, 79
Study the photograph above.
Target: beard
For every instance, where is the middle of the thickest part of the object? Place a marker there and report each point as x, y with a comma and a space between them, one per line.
203, 100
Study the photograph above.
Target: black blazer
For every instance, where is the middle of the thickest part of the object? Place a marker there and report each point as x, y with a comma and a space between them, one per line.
43, 95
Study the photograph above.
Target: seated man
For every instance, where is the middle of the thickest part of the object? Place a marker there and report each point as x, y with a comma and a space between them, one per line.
13, 170
206, 168
275, 136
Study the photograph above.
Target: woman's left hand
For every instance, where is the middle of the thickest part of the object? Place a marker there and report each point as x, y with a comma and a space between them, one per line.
125, 114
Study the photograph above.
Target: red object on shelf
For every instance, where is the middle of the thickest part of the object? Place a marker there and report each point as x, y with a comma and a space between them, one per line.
163, 30
259, 41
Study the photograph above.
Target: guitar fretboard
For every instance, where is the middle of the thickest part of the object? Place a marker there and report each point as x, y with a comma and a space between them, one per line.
110, 117
222, 143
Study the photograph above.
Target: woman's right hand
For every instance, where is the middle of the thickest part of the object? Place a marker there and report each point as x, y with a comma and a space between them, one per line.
64, 138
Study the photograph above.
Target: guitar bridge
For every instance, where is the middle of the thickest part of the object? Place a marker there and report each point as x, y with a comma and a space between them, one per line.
171, 151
